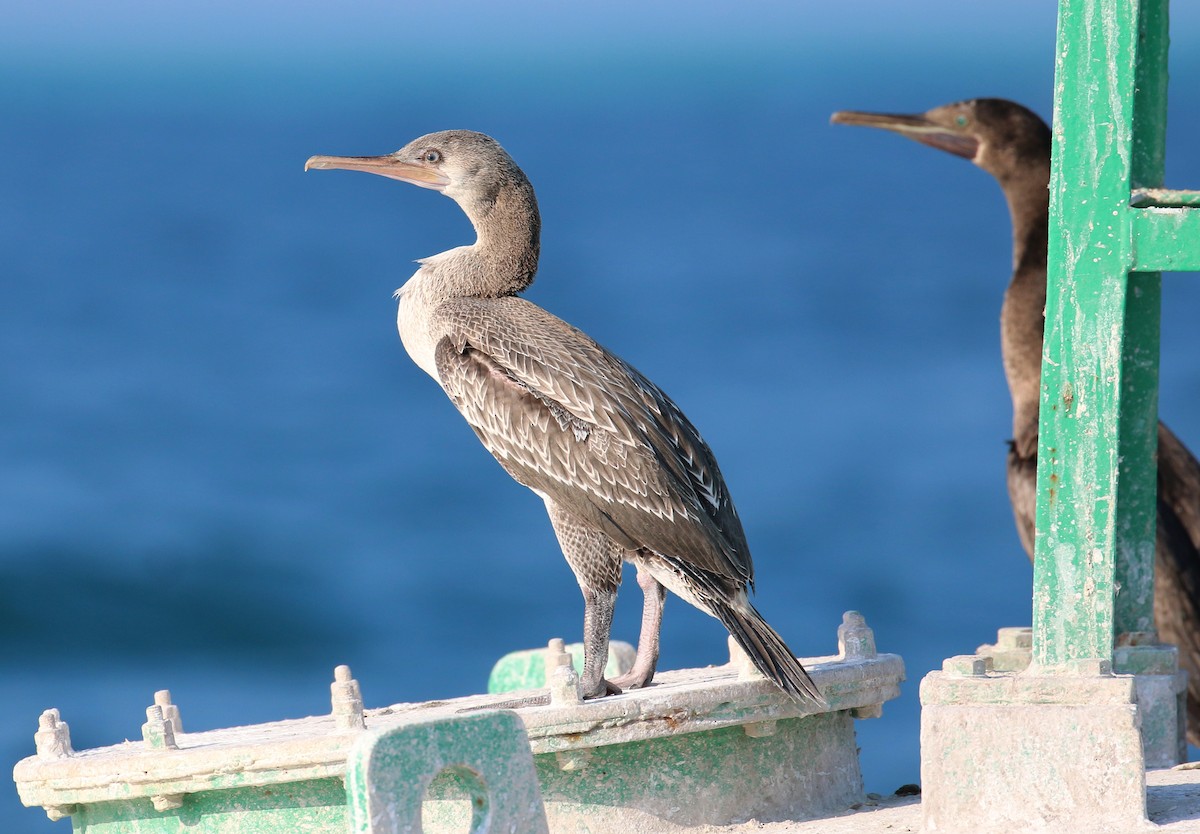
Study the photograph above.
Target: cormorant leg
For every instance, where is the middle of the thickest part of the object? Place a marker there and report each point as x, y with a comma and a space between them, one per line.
597, 626
647, 651
596, 560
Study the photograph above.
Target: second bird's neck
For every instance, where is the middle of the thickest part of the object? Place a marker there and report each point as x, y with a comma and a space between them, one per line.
1022, 318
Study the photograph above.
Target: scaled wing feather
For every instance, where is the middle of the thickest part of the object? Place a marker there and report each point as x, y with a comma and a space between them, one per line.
573, 422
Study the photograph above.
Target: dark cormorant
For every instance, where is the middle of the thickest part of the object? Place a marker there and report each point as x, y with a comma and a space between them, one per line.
1012, 143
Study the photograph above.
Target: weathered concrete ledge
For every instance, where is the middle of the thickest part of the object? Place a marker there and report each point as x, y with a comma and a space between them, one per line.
1022, 751
1160, 686
700, 746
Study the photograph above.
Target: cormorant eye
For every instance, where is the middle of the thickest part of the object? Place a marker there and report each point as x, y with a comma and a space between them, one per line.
961, 121
432, 157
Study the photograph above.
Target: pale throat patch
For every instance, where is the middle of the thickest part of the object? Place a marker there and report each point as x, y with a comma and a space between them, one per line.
413, 322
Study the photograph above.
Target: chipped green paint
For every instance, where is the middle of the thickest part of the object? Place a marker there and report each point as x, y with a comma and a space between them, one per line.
786, 769
527, 669
317, 806
488, 754
1168, 239
1096, 478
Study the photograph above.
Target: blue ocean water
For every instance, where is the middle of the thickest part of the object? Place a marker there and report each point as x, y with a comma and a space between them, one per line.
220, 474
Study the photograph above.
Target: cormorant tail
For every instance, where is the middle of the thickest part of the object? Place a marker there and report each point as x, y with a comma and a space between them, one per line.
766, 649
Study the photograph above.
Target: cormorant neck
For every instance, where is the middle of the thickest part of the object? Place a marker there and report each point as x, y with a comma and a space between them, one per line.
1028, 196
504, 258
1022, 318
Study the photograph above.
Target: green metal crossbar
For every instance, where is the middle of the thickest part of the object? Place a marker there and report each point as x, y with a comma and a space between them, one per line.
1118, 229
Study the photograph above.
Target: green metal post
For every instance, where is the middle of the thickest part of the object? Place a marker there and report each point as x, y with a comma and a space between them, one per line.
1096, 479
1136, 532
1112, 229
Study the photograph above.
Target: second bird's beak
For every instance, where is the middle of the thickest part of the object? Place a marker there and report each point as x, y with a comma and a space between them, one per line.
917, 128
389, 166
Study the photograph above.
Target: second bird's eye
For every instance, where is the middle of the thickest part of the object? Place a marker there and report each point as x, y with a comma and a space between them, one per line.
432, 156
961, 121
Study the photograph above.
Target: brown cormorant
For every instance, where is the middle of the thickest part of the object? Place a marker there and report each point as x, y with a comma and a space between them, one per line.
623, 474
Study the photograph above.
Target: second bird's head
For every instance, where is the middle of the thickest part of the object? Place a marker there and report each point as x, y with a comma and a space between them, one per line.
998, 135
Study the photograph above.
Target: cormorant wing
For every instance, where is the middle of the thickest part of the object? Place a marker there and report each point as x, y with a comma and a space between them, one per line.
577, 425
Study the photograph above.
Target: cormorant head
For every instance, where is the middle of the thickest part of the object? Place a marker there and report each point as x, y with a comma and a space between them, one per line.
472, 169
469, 167
1000, 136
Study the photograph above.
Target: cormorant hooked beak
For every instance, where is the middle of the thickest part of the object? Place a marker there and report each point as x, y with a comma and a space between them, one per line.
918, 128
390, 166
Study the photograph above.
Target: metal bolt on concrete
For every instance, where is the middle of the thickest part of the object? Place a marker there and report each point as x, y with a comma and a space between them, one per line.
562, 678
346, 700
170, 711
157, 732
855, 638
53, 738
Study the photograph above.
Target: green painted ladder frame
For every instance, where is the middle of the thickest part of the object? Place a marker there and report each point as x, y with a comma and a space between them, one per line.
1118, 230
